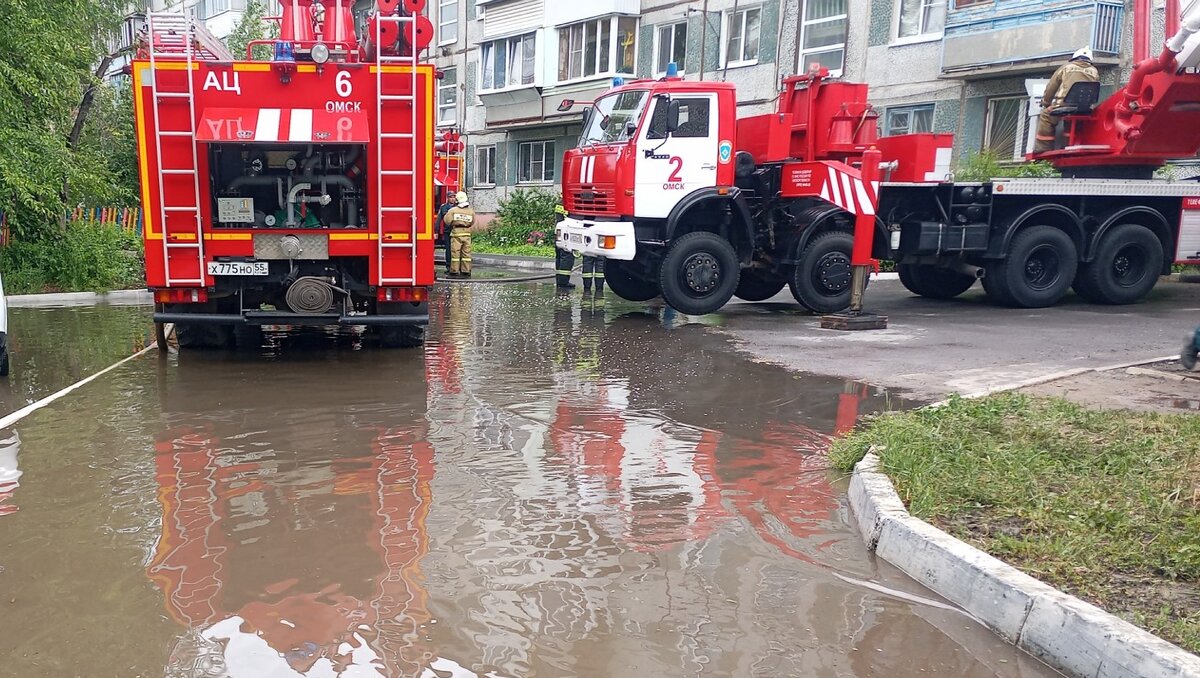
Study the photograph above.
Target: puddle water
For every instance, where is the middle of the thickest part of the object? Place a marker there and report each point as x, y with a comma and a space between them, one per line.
549, 488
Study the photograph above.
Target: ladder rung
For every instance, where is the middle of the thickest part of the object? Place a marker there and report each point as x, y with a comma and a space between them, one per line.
396, 173
190, 208
176, 133
173, 95
193, 245
396, 97
185, 281
397, 244
395, 135
396, 209
178, 171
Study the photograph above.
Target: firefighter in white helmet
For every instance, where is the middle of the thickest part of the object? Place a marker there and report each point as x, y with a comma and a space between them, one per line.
1078, 69
459, 221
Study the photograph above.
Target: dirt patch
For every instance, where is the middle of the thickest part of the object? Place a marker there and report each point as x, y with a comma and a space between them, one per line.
1160, 387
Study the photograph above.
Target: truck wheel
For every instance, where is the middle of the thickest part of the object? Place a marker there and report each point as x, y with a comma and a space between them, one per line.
933, 282
401, 336
699, 273
1125, 269
821, 279
758, 286
204, 336
622, 281
1040, 267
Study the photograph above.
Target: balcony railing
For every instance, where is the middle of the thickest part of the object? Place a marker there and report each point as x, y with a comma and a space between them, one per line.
1009, 35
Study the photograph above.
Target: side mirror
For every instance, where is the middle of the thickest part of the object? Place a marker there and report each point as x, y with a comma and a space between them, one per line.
630, 129
673, 116
566, 105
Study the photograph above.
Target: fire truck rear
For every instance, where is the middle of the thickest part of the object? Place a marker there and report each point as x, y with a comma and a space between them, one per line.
295, 191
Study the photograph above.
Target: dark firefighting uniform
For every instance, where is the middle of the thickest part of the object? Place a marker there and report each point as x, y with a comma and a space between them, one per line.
564, 260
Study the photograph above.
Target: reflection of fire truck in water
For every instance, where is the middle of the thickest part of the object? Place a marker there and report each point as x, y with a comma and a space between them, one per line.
268, 557
295, 191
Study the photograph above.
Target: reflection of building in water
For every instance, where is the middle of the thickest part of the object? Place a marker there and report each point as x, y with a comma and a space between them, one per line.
10, 473
285, 568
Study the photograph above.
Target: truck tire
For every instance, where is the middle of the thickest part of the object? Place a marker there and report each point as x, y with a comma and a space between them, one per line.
622, 281
933, 282
1039, 270
699, 273
1127, 264
401, 336
821, 278
204, 336
4, 362
758, 286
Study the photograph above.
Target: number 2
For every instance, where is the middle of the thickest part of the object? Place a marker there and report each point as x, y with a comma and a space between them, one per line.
343, 84
678, 163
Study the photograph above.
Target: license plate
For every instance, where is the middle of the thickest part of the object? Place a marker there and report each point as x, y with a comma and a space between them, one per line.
237, 268
577, 237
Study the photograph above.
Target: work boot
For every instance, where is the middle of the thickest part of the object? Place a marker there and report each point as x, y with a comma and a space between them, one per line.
1188, 356
587, 288
564, 282
599, 290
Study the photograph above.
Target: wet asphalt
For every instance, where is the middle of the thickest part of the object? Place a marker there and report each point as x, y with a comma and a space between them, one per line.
551, 487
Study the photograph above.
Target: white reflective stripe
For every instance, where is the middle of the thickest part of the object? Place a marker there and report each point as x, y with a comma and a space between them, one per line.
825, 191
583, 170
848, 191
591, 169
267, 128
301, 126
834, 191
864, 200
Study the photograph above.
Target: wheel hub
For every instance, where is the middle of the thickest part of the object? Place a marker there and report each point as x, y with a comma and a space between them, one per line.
833, 272
701, 272
1041, 268
1129, 265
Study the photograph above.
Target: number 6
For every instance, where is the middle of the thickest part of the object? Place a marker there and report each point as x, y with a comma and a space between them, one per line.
343, 84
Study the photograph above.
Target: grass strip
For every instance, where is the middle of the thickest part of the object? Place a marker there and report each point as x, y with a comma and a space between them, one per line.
1104, 504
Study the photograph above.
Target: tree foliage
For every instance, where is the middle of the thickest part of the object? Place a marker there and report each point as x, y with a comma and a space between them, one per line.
48, 51
251, 27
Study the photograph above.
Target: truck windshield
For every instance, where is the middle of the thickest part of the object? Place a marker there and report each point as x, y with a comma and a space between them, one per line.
611, 116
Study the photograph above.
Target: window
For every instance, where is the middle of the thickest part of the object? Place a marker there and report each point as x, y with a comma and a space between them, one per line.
485, 165
596, 48
823, 35
671, 47
447, 100
742, 29
1004, 133
612, 117
693, 118
508, 62
447, 21
535, 162
959, 4
206, 9
909, 120
921, 17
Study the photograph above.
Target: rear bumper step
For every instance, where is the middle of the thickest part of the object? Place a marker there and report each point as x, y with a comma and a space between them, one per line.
284, 318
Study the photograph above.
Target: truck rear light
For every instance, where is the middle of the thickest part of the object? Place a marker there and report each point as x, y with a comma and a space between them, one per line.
608, 242
181, 295
402, 294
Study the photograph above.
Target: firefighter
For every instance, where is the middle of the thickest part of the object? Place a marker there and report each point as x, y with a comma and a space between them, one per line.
593, 272
459, 221
1078, 69
443, 235
564, 260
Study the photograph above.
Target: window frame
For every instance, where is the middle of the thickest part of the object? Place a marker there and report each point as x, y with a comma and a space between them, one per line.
726, 19
442, 23
567, 51
547, 161
922, 35
907, 109
440, 105
802, 52
1020, 135
490, 150
492, 44
658, 29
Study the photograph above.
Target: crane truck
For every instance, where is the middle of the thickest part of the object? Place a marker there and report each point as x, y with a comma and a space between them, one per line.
295, 191
685, 201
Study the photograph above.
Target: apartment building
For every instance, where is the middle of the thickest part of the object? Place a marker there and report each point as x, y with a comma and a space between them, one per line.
219, 16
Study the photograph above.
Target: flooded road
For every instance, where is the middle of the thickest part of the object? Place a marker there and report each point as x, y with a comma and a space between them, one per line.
551, 488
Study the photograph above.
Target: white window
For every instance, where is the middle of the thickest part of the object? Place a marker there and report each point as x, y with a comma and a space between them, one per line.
823, 35
447, 21
1004, 133
485, 165
597, 48
206, 9
909, 119
921, 19
671, 46
742, 31
509, 62
447, 100
535, 162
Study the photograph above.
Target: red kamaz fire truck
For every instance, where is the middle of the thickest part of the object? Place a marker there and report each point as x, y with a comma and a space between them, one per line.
686, 201
296, 191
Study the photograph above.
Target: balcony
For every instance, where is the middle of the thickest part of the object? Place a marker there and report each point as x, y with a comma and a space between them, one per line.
1017, 36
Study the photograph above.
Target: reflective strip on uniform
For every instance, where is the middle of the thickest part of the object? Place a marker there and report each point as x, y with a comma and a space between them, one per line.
560, 271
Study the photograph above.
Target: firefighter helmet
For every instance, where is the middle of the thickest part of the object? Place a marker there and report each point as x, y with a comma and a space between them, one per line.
1084, 53
461, 199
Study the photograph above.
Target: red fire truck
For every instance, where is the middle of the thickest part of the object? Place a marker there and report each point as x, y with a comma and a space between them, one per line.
296, 191
686, 201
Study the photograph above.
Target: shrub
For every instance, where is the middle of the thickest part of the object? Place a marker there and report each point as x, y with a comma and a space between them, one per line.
986, 165
532, 209
86, 257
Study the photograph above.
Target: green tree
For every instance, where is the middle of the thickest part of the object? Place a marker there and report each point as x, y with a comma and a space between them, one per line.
252, 27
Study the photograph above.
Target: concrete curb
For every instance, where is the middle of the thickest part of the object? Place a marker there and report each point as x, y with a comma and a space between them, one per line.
507, 261
1061, 630
74, 298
